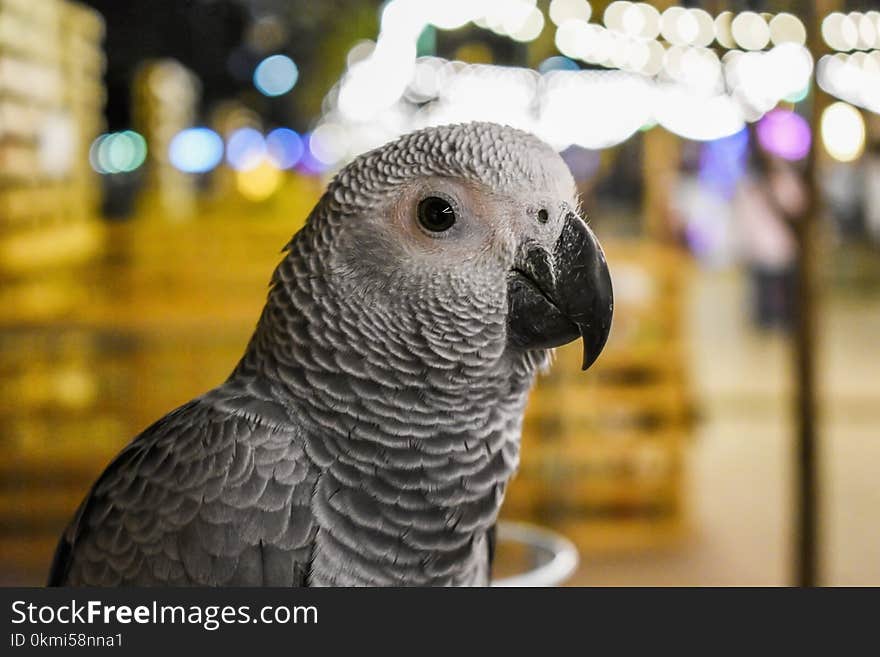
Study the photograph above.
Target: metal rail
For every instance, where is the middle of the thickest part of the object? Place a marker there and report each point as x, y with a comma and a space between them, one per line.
560, 555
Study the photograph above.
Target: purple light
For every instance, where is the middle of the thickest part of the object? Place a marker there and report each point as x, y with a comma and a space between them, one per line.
285, 147
582, 163
785, 134
723, 162
308, 163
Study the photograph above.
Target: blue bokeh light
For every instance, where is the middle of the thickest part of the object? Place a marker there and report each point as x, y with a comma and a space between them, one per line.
285, 147
275, 75
558, 63
118, 152
196, 150
723, 162
245, 149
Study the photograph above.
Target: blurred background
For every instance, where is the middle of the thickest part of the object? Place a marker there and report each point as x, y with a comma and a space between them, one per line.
155, 155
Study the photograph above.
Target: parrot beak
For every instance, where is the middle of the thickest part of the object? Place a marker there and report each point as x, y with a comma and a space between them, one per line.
554, 298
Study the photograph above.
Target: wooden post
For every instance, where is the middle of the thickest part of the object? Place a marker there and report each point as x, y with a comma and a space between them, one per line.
661, 152
806, 571
661, 155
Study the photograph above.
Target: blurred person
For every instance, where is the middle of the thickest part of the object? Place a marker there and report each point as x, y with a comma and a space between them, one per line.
767, 201
871, 182
698, 214
844, 186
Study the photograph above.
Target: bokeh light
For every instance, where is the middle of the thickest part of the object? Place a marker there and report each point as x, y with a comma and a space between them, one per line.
284, 147
798, 96
565, 10
574, 36
359, 52
698, 117
258, 182
723, 163
558, 63
530, 28
308, 163
750, 31
196, 150
582, 162
854, 78
614, 13
724, 29
245, 149
275, 75
328, 143
266, 33
785, 134
641, 20
869, 30
58, 148
843, 131
839, 31
118, 152
93, 153
787, 28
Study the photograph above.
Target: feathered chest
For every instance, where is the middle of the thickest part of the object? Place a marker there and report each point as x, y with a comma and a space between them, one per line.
413, 511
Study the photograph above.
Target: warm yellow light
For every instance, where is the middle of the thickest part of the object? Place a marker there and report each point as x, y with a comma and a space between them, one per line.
258, 183
843, 131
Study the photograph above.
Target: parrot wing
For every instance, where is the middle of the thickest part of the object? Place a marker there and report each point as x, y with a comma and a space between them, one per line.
215, 493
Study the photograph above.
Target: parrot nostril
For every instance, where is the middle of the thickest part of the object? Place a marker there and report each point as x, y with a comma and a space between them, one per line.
543, 216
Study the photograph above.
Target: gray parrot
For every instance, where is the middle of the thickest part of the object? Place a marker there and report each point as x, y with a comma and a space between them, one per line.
368, 433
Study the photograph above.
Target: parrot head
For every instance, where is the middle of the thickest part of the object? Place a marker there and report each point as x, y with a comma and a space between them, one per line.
467, 223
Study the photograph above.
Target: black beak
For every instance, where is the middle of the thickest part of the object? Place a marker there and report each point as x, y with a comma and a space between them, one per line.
554, 298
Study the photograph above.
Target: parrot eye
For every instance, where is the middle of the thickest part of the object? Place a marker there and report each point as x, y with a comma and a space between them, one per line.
436, 214
543, 216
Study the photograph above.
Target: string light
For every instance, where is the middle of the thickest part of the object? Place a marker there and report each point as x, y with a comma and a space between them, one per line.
668, 70
565, 10
854, 78
787, 28
723, 29
750, 31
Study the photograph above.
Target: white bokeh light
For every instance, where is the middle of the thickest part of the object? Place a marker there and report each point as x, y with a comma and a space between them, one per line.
843, 131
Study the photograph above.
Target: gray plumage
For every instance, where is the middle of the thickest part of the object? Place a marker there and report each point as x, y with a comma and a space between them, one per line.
368, 433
